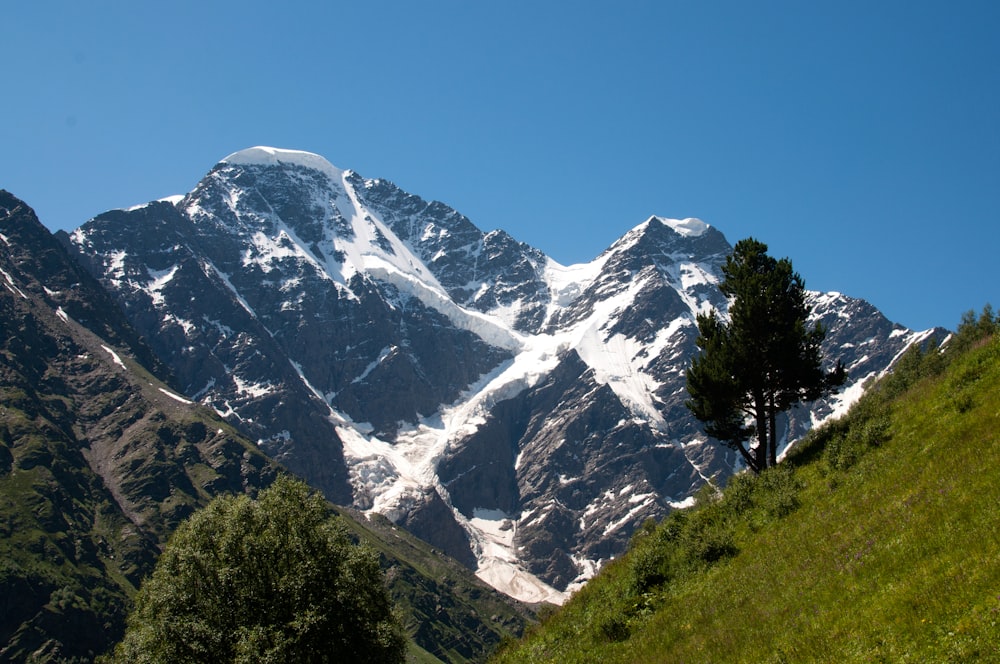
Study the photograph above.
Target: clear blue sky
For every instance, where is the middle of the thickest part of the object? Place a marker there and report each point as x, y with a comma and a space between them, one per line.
860, 139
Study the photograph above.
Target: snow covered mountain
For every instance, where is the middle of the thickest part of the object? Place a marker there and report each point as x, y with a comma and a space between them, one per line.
100, 461
521, 415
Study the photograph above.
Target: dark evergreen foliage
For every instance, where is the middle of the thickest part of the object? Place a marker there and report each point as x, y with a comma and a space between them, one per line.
763, 361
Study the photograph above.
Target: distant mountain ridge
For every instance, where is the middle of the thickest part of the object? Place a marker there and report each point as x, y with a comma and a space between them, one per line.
522, 415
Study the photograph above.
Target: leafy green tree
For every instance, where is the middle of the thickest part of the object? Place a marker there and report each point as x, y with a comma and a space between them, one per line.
760, 363
973, 330
269, 580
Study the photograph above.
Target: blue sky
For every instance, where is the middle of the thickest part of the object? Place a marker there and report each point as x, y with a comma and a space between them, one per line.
860, 139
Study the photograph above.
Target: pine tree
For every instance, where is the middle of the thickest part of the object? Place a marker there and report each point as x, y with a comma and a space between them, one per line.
763, 361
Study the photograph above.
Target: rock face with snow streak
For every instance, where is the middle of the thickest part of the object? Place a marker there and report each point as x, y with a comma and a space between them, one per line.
521, 415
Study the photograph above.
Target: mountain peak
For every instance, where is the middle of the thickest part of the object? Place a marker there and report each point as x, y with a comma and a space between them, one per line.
661, 234
689, 227
267, 156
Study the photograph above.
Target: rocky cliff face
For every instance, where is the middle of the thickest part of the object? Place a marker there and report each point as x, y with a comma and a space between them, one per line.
521, 415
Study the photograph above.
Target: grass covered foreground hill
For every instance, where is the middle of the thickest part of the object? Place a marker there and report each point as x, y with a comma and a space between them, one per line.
878, 540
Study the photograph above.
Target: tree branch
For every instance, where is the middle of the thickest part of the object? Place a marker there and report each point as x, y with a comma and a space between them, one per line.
748, 458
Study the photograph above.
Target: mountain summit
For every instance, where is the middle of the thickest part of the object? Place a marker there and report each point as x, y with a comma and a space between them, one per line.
521, 415
689, 227
265, 156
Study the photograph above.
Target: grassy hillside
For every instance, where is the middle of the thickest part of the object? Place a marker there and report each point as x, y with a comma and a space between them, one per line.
97, 466
99, 460
878, 540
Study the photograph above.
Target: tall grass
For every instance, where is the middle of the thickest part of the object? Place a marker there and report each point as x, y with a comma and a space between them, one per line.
877, 541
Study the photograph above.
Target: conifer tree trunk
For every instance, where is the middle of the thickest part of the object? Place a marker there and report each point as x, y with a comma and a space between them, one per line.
760, 454
772, 448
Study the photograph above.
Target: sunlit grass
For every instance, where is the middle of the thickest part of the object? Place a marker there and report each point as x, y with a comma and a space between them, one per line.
889, 555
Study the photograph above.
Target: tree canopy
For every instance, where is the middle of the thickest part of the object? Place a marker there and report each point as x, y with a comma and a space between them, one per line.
761, 362
269, 580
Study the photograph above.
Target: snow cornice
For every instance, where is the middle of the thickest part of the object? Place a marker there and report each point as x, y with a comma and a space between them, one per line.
690, 227
268, 156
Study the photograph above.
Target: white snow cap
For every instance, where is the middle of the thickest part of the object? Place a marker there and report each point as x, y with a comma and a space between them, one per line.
689, 227
265, 156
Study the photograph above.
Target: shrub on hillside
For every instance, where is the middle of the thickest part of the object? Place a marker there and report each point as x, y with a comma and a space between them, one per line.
271, 580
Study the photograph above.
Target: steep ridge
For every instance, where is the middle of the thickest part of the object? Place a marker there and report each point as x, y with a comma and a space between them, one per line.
521, 415
100, 460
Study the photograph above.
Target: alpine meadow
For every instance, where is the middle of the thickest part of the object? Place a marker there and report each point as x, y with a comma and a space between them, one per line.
877, 538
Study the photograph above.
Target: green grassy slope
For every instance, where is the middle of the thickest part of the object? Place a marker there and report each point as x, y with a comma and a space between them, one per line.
878, 540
